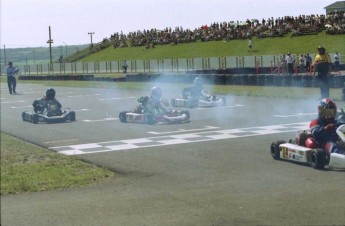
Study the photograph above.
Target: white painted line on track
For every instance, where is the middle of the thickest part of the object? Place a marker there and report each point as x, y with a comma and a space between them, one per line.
12, 102
119, 98
174, 139
82, 110
29, 106
85, 95
226, 106
295, 115
185, 130
100, 120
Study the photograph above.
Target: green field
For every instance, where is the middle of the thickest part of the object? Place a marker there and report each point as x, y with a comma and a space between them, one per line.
264, 46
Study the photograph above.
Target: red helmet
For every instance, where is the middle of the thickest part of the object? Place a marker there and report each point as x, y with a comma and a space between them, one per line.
327, 109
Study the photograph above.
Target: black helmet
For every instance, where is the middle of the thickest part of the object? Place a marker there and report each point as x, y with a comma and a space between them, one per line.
50, 93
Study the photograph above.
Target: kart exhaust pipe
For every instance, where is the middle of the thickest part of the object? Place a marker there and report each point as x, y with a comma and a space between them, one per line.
337, 161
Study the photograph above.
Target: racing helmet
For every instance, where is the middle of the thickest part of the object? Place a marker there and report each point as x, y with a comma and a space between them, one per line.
327, 109
50, 93
198, 81
156, 93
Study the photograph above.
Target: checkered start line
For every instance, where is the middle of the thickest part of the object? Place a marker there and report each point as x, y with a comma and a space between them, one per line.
119, 145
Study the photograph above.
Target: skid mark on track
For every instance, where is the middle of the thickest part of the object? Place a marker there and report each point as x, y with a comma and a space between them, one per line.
174, 139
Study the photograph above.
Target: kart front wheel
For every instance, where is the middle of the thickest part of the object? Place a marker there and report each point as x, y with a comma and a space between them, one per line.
318, 158
122, 116
275, 149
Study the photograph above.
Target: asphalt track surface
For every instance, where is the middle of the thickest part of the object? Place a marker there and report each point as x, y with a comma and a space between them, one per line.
215, 170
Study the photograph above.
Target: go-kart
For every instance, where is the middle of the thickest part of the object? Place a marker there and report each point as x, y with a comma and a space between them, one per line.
207, 100
48, 113
317, 158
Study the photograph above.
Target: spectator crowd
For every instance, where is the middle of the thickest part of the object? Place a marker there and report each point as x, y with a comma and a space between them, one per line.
334, 23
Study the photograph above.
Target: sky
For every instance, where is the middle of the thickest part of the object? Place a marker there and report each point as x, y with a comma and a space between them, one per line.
25, 23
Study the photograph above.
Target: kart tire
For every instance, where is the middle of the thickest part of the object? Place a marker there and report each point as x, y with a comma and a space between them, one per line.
318, 158
187, 114
23, 116
173, 102
150, 119
223, 101
71, 116
34, 118
275, 150
122, 116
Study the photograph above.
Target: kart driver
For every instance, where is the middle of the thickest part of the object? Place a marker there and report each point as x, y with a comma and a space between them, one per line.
152, 104
198, 92
48, 105
324, 128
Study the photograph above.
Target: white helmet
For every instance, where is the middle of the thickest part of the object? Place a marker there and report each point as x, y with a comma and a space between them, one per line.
156, 93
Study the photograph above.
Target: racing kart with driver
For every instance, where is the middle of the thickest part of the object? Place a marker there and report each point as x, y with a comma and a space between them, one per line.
197, 96
151, 110
323, 144
48, 109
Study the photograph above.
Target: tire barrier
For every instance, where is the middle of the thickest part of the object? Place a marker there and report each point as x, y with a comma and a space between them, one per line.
57, 77
261, 80
252, 80
335, 81
269, 80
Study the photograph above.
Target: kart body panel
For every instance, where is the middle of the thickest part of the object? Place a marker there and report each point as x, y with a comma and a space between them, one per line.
67, 115
316, 157
189, 103
174, 117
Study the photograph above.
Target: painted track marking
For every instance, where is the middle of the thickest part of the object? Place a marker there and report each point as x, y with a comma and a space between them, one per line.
174, 139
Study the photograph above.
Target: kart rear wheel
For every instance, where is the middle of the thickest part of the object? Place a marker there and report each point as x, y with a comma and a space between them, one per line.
223, 101
275, 150
34, 118
187, 114
71, 116
23, 116
318, 158
122, 116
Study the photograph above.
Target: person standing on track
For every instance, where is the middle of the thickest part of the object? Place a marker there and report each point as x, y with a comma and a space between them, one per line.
322, 65
11, 79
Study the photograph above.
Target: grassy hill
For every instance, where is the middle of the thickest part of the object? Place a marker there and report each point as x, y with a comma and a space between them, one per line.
264, 46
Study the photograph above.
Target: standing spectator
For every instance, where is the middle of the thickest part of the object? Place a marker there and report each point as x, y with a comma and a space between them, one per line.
289, 63
301, 63
250, 45
11, 80
283, 62
124, 66
322, 64
308, 61
336, 61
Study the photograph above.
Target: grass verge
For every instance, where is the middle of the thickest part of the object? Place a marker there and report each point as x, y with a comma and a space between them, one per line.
28, 168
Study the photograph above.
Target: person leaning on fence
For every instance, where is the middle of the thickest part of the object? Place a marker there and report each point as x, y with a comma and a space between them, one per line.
11, 79
289, 63
322, 65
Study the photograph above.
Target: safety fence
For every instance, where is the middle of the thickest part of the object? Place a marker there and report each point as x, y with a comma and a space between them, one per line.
235, 64
336, 81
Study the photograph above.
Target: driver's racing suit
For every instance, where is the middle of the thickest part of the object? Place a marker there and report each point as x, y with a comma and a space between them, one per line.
325, 134
49, 107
